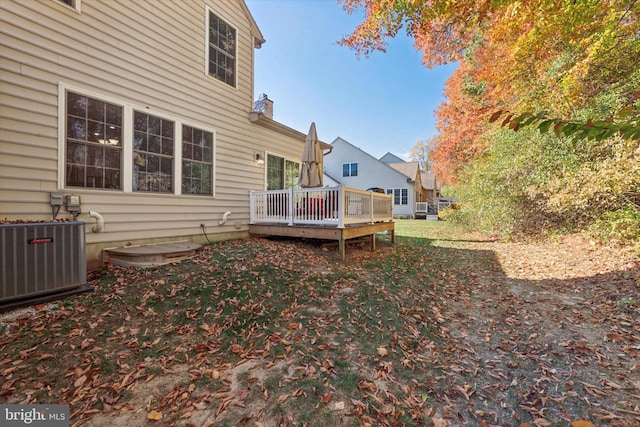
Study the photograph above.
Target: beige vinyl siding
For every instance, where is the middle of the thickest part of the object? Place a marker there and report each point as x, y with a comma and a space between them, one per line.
145, 55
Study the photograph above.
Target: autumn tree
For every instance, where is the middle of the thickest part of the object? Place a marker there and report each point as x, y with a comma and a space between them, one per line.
570, 68
421, 152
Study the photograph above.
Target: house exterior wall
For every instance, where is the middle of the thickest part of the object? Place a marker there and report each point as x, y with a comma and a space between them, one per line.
371, 173
146, 56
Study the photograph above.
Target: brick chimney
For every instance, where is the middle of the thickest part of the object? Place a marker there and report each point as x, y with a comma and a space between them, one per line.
264, 105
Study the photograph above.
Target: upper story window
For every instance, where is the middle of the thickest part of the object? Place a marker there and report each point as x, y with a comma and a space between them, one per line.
153, 147
349, 169
93, 143
222, 50
197, 161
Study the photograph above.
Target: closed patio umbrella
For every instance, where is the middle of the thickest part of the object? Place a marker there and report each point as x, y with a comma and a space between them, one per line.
311, 170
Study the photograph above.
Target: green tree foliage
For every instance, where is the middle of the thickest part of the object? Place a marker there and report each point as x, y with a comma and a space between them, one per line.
575, 166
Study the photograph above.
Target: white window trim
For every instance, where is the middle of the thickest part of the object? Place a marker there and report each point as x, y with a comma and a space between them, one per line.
178, 158
392, 194
127, 143
350, 169
209, 10
76, 7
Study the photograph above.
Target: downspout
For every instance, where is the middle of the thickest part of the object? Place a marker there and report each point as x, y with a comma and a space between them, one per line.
224, 218
99, 227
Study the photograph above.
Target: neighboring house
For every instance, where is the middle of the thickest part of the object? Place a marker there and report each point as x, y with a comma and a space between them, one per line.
429, 188
356, 168
143, 109
330, 181
390, 158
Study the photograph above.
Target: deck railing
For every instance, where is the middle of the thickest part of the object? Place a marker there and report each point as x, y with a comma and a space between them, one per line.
333, 206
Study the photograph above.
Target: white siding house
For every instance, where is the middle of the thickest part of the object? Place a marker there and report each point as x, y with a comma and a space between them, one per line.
141, 108
356, 168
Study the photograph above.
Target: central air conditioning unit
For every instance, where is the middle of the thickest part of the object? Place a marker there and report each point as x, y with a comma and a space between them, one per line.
40, 259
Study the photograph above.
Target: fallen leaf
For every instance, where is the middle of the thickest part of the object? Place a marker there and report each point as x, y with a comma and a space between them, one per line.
80, 381
582, 423
382, 351
154, 416
439, 422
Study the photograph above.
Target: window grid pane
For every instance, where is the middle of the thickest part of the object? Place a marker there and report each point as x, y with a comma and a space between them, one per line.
222, 50
197, 163
153, 154
93, 143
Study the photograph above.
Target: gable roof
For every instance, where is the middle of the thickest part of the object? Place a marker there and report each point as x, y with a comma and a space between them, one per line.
339, 139
429, 180
410, 169
390, 158
258, 38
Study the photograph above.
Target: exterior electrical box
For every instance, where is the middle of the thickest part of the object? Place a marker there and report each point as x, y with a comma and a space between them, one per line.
41, 258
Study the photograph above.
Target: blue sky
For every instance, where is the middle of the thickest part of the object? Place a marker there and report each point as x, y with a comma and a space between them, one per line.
384, 103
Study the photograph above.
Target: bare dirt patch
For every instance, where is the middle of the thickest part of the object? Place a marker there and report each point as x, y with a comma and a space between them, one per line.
554, 333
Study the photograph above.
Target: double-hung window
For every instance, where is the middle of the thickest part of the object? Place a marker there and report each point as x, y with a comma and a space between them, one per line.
349, 169
400, 195
93, 143
153, 147
222, 50
197, 161
107, 142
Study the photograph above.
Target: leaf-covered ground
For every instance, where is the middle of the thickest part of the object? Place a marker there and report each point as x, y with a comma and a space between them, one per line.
442, 329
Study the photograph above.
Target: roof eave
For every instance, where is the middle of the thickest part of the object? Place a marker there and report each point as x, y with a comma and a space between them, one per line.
262, 120
258, 38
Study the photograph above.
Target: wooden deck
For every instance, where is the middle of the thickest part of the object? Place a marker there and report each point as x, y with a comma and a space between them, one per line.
327, 233
330, 213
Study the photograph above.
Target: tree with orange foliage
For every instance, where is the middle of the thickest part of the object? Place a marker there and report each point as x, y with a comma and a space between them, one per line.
461, 126
524, 55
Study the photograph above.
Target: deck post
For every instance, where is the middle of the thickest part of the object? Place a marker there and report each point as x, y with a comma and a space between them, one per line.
341, 207
290, 207
371, 213
251, 208
373, 242
341, 246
